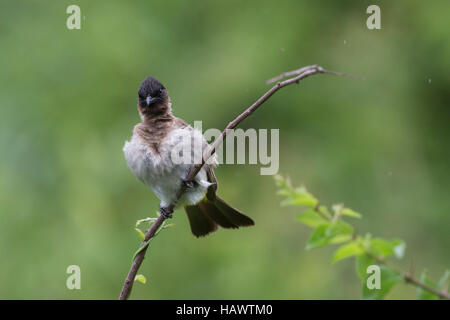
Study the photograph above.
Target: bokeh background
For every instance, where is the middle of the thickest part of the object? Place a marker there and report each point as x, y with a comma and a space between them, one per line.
68, 103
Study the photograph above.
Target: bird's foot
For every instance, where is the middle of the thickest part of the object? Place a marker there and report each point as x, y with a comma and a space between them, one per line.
166, 212
214, 186
189, 184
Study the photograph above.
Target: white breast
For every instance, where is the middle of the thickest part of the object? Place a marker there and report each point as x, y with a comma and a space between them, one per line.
163, 172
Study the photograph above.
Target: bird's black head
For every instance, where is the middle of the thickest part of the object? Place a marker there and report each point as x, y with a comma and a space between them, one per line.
153, 97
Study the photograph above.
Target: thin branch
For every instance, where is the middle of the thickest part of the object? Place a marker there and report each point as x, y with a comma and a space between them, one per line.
128, 285
409, 278
302, 70
300, 74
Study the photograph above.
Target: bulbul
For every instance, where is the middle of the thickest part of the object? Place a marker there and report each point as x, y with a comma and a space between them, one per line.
153, 153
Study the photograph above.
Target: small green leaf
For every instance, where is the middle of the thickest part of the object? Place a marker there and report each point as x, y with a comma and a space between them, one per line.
325, 212
384, 248
169, 225
328, 232
141, 278
300, 199
140, 233
388, 279
424, 294
353, 248
304, 201
362, 262
381, 247
339, 228
311, 218
142, 247
318, 237
350, 213
341, 238
150, 220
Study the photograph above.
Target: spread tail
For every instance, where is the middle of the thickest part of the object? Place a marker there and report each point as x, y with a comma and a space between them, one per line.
205, 216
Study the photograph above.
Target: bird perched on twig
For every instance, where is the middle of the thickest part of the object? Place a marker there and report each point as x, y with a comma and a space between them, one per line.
157, 154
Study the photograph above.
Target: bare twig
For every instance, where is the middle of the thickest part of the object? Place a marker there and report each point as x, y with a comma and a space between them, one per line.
410, 279
302, 70
299, 75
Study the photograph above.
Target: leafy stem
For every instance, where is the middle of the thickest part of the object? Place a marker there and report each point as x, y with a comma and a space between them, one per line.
332, 229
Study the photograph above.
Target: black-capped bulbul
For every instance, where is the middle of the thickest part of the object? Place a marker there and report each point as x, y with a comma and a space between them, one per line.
150, 156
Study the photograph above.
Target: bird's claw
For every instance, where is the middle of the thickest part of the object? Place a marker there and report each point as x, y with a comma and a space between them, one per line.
166, 212
189, 184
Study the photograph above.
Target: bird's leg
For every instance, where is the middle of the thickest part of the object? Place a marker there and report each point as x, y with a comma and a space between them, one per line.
165, 211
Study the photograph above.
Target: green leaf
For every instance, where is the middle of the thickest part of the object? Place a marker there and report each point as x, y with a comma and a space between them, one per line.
362, 262
142, 247
149, 220
294, 197
318, 237
141, 278
303, 197
350, 213
300, 199
140, 233
424, 294
339, 228
383, 248
388, 279
311, 218
327, 232
325, 212
341, 238
353, 248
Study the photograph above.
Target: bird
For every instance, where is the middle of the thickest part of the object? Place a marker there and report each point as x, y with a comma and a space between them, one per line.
153, 155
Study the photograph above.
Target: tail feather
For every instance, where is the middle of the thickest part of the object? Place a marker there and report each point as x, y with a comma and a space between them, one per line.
210, 210
233, 214
201, 225
207, 214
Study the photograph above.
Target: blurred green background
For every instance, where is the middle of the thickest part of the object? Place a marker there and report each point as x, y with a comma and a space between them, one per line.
68, 103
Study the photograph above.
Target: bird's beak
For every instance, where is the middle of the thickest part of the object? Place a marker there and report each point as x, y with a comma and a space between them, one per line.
148, 100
